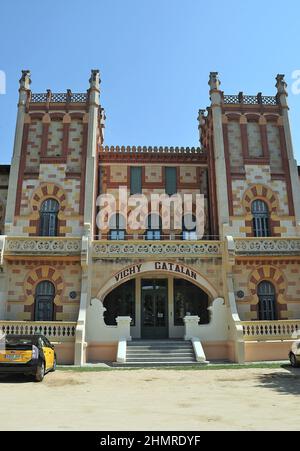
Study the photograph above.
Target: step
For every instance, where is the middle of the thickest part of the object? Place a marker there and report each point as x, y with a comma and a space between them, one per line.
164, 351
154, 364
158, 353
157, 343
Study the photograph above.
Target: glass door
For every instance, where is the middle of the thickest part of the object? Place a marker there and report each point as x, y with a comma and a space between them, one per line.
154, 309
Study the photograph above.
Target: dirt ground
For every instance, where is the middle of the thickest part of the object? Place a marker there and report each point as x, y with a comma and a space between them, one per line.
245, 399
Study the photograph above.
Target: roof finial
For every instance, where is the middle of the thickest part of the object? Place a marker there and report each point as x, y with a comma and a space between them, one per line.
25, 79
214, 81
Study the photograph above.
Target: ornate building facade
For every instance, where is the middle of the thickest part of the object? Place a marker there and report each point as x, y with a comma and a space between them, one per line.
235, 292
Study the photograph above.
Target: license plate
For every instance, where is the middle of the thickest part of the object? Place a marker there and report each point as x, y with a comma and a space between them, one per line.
12, 357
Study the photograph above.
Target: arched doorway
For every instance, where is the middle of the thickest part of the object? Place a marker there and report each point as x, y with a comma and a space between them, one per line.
44, 301
157, 302
267, 301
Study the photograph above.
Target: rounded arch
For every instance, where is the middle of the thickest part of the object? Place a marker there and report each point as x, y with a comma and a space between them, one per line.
46, 191
36, 276
269, 273
267, 304
262, 192
148, 268
276, 277
44, 301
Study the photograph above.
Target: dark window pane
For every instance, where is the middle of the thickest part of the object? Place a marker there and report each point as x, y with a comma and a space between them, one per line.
49, 217
260, 212
154, 224
120, 302
267, 301
44, 301
171, 180
117, 227
135, 180
189, 300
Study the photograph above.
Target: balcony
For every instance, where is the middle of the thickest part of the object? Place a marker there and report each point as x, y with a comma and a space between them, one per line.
267, 246
271, 330
55, 331
142, 248
42, 246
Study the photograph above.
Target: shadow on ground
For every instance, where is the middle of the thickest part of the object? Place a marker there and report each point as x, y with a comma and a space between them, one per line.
285, 382
15, 379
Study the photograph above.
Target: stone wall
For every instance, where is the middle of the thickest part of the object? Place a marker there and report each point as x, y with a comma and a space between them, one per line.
23, 277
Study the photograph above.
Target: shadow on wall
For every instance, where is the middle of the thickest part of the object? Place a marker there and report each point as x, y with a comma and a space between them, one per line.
285, 383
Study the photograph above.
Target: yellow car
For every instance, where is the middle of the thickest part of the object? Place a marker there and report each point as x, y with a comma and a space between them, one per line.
27, 354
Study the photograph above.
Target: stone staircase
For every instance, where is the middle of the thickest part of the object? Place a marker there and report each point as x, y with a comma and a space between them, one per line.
143, 353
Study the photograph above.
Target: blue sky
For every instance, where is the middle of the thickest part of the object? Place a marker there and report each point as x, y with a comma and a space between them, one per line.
154, 57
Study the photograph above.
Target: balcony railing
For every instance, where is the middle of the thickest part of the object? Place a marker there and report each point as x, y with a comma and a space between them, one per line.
55, 331
271, 330
191, 249
42, 246
267, 246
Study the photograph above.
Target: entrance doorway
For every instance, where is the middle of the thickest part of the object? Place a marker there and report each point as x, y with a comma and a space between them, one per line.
154, 324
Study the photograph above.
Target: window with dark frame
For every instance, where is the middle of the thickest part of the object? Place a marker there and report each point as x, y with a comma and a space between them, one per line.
49, 217
135, 180
171, 180
44, 301
267, 301
154, 224
120, 302
189, 231
261, 218
189, 300
117, 227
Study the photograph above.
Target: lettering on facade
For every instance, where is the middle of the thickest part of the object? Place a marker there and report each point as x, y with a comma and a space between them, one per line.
135, 269
174, 267
157, 266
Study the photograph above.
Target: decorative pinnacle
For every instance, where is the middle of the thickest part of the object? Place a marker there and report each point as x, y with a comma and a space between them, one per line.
25, 79
95, 78
214, 81
281, 84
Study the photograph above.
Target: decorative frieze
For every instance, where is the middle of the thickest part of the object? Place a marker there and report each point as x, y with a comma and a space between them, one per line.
267, 246
173, 249
42, 246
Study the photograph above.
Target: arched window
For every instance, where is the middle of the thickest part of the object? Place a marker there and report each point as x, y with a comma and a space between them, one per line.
189, 300
120, 302
49, 218
154, 226
261, 222
44, 301
189, 228
117, 227
267, 301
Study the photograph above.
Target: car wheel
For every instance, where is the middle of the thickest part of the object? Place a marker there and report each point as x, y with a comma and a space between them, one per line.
54, 365
293, 360
40, 372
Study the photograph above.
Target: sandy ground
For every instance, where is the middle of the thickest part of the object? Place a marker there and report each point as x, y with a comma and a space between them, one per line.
247, 399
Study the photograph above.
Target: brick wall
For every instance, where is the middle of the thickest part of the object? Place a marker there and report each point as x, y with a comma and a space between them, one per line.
23, 277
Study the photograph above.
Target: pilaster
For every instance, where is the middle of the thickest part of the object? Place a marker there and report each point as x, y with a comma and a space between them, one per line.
24, 89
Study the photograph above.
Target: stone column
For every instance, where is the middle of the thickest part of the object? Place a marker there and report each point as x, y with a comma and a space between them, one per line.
25, 82
89, 214
123, 324
220, 165
191, 324
295, 185
91, 157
